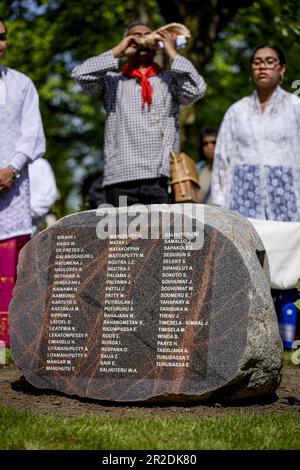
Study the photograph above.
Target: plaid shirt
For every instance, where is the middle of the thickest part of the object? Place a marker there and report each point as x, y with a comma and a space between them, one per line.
134, 147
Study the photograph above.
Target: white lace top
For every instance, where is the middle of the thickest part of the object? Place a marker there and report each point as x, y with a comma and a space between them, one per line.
257, 160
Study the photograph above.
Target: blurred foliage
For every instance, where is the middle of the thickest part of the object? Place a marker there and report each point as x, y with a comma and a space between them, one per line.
48, 38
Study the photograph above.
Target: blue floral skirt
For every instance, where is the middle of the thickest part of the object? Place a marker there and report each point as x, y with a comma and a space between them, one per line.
264, 192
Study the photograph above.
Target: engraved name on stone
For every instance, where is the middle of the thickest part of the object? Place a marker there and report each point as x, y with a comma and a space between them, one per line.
119, 316
175, 298
64, 340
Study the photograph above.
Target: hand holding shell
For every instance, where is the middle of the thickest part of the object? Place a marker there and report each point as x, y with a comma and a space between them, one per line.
151, 40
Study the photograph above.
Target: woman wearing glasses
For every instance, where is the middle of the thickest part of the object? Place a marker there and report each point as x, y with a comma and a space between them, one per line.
257, 162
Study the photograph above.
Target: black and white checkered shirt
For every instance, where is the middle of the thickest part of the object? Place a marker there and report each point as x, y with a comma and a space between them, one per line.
134, 147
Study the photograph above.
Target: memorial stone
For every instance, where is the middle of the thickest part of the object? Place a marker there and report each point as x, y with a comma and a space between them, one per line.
168, 303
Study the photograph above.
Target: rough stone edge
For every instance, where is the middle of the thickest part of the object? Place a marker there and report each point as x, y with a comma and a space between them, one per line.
245, 383
262, 341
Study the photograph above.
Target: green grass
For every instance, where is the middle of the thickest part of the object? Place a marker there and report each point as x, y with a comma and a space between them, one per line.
5, 357
26, 430
8, 357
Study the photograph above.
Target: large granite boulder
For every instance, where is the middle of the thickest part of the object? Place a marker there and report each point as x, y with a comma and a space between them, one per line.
156, 311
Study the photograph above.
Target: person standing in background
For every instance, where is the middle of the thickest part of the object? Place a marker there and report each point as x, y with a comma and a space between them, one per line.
208, 139
142, 104
257, 165
22, 140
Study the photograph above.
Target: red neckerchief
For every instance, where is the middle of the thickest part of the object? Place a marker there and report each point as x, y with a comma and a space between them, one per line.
133, 72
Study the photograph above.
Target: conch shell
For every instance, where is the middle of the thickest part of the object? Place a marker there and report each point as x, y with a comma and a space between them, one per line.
151, 40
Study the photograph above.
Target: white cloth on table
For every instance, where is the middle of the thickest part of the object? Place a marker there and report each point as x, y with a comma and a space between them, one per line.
257, 160
22, 140
282, 244
42, 184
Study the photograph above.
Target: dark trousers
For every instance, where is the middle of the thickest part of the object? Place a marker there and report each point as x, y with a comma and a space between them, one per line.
149, 191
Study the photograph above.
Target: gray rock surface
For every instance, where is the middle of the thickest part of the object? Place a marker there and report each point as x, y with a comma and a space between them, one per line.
134, 319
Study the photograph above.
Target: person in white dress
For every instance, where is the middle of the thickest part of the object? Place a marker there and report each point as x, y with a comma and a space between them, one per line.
22, 141
257, 169
257, 160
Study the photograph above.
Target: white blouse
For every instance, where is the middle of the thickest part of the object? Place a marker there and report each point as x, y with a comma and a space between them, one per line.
257, 160
22, 140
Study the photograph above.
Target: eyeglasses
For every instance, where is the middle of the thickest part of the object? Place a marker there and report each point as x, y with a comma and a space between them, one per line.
269, 62
3, 36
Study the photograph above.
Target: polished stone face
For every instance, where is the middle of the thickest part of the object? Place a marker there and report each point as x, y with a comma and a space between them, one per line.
131, 319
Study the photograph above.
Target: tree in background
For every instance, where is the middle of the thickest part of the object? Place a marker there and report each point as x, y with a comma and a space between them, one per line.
47, 38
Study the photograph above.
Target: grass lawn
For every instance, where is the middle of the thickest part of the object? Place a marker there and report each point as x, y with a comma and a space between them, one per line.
29, 431
233, 431
7, 357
